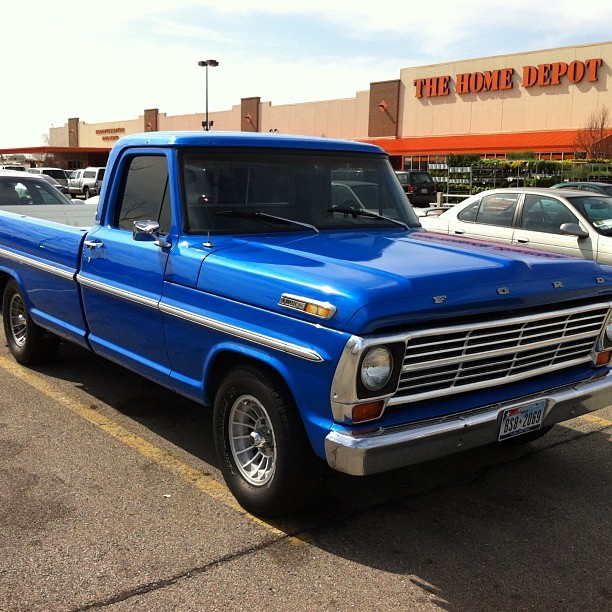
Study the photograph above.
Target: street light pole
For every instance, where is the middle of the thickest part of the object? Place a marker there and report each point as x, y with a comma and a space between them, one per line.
206, 63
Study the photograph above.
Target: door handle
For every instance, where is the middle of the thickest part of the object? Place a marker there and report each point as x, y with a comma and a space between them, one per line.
523, 240
459, 232
93, 244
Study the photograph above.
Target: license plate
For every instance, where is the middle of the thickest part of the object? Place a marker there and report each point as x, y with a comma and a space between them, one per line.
424, 190
520, 420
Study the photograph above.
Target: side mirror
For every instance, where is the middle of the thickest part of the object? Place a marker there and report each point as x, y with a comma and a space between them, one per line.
573, 229
149, 231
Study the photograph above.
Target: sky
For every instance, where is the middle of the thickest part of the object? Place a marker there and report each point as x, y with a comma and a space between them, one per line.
111, 60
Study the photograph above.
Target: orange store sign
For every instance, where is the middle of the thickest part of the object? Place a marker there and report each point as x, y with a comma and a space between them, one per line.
541, 75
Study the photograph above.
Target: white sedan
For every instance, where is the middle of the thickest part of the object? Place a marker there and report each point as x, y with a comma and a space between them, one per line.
570, 222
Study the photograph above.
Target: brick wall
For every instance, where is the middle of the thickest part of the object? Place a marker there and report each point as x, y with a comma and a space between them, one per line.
249, 110
384, 108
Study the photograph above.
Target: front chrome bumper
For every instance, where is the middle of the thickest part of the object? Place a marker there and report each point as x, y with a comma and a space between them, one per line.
393, 447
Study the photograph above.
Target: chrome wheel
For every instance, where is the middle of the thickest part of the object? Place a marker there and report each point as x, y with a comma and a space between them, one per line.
251, 440
18, 320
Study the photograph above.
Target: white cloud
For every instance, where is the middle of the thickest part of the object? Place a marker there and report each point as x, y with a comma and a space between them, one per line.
113, 59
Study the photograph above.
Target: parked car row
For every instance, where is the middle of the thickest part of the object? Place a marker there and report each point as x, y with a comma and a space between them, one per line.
38, 195
603, 188
561, 220
83, 182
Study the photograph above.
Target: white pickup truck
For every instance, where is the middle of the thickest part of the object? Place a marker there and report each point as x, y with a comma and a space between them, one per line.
86, 182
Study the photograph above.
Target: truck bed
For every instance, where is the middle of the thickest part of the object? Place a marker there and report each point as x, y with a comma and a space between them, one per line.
45, 255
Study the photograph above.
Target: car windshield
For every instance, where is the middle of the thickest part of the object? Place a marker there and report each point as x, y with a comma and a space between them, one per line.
22, 191
55, 173
597, 210
275, 191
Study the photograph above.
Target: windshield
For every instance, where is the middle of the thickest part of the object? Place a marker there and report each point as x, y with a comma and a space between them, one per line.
56, 174
241, 192
23, 191
597, 210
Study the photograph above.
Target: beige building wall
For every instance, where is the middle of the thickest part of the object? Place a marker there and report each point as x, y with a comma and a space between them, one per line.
223, 121
556, 106
344, 118
105, 134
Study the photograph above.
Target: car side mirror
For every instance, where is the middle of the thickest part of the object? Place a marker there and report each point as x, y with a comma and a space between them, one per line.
573, 229
149, 230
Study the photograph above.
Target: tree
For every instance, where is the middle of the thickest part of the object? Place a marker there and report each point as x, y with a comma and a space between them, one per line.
596, 137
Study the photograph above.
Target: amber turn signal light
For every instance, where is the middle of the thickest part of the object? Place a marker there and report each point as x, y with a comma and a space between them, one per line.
603, 358
367, 412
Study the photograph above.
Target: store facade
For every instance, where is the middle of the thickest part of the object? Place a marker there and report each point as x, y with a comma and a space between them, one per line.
535, 101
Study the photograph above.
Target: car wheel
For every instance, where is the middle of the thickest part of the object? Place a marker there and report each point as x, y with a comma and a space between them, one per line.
86, 192
28, 343
265, 456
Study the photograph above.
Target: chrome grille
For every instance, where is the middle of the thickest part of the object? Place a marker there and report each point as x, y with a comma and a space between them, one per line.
461, 358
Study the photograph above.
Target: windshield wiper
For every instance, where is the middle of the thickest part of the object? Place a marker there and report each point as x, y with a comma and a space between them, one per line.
359, 212
264, 217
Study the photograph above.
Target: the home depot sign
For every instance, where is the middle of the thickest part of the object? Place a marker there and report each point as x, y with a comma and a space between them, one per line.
495, 80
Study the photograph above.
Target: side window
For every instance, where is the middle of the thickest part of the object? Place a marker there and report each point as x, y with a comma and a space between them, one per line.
541, 214
494, 209
469, 214
497, 209
145, 194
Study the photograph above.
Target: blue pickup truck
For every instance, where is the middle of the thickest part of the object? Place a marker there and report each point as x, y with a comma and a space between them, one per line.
286, 283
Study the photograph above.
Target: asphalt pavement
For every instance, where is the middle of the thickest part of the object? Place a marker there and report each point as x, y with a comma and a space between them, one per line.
111, 497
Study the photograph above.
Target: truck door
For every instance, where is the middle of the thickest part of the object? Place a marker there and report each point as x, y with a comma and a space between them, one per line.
122, 278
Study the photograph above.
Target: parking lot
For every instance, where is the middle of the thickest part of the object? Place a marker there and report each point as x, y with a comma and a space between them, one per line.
111, 497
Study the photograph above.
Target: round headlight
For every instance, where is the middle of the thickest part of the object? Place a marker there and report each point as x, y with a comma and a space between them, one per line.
376, 368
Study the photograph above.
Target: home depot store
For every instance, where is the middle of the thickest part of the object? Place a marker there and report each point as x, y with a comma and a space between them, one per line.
535, 101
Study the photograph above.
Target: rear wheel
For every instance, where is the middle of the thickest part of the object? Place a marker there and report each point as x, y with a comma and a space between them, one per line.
86, 192
29, 343
263, 450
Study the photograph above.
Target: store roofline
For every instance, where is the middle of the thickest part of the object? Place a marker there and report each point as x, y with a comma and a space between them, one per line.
538, 142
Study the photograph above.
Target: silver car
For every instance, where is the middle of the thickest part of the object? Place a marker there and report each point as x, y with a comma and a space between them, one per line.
574, 223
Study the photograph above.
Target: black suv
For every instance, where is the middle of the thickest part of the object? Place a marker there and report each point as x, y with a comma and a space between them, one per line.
418, 185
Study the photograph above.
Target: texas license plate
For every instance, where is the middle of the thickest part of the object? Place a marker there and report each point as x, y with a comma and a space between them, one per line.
521, 419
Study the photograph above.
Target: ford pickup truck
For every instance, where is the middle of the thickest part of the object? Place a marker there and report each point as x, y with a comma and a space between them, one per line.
321, 325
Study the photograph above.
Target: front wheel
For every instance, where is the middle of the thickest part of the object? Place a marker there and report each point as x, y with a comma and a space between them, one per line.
263, 450
28, 343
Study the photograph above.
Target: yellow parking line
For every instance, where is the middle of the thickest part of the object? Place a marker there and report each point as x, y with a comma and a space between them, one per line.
595, 419
164, 459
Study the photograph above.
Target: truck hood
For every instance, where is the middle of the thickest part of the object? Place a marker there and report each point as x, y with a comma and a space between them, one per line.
376, 279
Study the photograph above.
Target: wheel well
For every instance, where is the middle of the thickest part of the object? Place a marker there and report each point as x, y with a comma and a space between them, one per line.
224, 362
4, 278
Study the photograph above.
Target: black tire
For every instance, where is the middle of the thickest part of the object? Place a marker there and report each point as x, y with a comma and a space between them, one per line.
264, 454
86, 192
29, 343
532, 436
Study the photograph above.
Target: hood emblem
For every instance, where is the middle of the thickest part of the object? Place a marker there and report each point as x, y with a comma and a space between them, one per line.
439, 299
557, 284
503, 291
